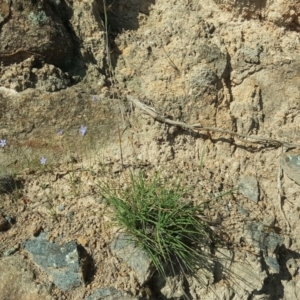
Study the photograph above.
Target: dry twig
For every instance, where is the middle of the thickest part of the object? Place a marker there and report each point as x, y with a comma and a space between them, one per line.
198, 127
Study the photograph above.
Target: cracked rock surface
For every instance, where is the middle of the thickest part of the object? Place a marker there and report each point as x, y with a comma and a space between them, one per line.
232, 65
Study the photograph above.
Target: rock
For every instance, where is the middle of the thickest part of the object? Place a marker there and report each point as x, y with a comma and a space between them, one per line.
291, 289
62, 263
27, 75
11, 251
17, 281
243, 210
272, 264
110, 293
257, 235
124, 247
251, 56
248, 110
49, 31
291, 166
190, 61
35, 29
173, 287
63, 109
284, 13
247, 273
201, 78
242, 277
87, 24
266, 243
248, 186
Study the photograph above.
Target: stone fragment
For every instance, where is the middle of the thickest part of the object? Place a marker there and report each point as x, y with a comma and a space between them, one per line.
17, 281
173, 287
291, 166
243, 210
247, 276
248, 186
110, 293
62, 263
124, 247
251, 56
273, 265
266, 243
260, 238
11, 251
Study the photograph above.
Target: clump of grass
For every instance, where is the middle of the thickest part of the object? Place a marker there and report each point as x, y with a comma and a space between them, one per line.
172, 231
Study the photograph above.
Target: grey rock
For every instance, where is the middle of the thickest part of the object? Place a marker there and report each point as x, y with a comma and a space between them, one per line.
272, 264
215, 57
271, 241
124, 247
291, 166
247, 276
110, 293
203, 77
11, 251
243, 210
251, 56
248, 186
62, 263
263, 240
61, 207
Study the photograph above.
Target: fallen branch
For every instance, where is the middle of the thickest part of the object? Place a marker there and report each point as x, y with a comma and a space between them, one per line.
198, 127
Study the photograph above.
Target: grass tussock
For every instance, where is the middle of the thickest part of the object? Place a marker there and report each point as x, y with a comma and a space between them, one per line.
172, 231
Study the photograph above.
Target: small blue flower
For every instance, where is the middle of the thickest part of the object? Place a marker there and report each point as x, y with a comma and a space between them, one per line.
60, 132
82, 130
2, 143
94, 98
43, 160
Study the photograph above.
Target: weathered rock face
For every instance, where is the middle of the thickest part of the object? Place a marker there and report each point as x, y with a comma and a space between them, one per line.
152, 64
49, 33
40, 116
29, 28
17, 281
281, 12
229, 64
30, 73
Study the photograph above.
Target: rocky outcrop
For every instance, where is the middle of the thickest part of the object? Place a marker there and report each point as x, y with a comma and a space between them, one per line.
283, 13
232, 65
29, 28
